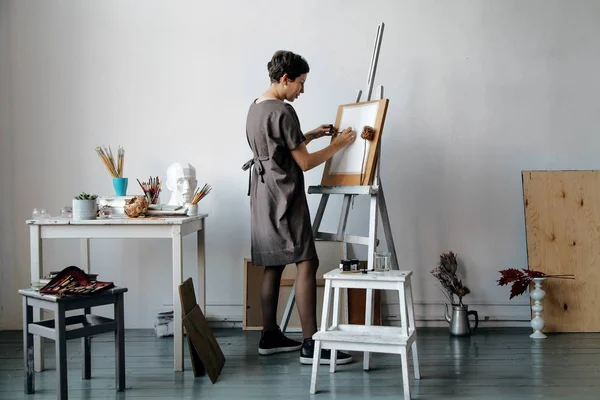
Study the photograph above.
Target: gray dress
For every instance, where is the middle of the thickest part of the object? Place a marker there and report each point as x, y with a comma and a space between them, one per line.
281, 230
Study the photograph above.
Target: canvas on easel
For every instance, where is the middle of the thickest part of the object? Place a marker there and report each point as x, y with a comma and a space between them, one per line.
355, 164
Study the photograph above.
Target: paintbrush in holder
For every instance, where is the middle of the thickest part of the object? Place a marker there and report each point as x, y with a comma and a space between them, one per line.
151, 189
114, 166
199, 194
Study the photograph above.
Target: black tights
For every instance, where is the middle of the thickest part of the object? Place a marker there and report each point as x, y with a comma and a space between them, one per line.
306, 296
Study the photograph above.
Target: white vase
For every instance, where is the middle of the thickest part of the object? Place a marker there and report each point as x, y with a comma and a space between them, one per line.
84, 209
537, 295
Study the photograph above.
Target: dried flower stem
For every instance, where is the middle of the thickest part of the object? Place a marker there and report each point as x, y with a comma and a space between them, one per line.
446, 275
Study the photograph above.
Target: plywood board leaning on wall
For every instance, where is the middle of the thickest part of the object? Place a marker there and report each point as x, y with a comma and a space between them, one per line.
562, 222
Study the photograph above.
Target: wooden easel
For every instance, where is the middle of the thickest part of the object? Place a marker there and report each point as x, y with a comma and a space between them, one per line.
374, 191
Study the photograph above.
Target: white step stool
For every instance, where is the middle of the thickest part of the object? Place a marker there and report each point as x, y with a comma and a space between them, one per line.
368, 338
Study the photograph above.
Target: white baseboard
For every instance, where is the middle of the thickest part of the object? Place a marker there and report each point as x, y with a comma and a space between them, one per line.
487, 311
224, 313
427, 314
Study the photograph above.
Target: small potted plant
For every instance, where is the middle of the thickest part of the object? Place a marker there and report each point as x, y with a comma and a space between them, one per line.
84, 207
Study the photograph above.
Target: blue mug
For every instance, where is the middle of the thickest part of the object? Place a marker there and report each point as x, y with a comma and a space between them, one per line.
120, 185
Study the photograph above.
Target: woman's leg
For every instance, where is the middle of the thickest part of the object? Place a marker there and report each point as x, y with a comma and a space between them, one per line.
306, 296
270, 296
272, 340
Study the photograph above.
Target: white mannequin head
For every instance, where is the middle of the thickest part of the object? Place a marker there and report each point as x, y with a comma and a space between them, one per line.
181, 182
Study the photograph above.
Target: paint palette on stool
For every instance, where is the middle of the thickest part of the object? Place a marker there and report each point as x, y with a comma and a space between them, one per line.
74, 281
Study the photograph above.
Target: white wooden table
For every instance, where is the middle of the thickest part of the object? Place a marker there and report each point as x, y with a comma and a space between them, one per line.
174, 228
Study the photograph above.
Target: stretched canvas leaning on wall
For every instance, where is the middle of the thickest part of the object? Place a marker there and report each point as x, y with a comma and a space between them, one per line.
355, 164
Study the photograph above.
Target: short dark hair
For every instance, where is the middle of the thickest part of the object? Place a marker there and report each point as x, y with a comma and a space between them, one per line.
286, 62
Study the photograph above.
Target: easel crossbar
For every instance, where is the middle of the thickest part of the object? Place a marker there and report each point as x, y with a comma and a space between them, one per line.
356, 190
333, 237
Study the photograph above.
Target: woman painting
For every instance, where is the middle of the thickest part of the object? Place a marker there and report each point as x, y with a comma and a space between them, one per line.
280, 220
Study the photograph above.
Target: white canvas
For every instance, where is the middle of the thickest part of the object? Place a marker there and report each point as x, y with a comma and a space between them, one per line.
348, 160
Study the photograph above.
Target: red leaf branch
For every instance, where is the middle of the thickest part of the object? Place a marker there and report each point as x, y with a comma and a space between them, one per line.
521, 279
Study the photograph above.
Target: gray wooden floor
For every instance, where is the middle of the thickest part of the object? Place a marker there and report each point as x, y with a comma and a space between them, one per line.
493, 364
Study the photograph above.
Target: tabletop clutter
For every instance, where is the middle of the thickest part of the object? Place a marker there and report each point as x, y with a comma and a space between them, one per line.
181, 182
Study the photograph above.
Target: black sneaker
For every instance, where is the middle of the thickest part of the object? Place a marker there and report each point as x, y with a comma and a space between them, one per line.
308, 349
272, 342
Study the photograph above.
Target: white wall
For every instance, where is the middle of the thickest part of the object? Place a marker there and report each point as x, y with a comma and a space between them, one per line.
479, 90
7, 268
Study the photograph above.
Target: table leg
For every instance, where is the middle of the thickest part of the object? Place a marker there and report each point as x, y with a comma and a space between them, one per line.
120, 342
177, 279
86, 342
36, 272
201, 268
61, 351
85, 255
28, 348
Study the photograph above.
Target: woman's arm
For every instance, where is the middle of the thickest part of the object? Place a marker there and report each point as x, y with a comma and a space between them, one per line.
316, 133
307, 161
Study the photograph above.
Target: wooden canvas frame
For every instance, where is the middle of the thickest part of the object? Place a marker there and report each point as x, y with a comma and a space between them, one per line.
331, 178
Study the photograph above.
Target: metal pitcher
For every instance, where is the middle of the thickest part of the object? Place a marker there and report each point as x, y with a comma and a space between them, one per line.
459, 320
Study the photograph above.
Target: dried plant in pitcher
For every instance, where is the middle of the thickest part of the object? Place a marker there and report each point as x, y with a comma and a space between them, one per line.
451, 285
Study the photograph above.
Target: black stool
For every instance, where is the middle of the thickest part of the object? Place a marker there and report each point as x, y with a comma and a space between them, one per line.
55, 329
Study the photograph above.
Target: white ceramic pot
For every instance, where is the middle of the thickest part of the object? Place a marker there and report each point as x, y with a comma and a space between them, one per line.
84, 209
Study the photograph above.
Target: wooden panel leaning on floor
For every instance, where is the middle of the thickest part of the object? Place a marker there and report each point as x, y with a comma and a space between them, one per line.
562, 215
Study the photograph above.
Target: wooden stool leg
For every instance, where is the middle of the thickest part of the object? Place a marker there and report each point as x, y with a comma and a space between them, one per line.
60, 342
326, 305
315, 367
405, 382
86, 341
28, 350
404, 330
335, 320
317, 348
120, 343
411, 321
368, 321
